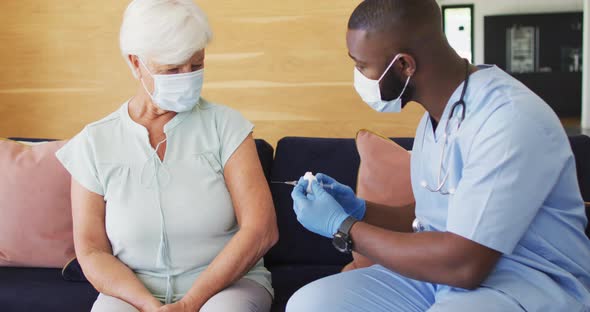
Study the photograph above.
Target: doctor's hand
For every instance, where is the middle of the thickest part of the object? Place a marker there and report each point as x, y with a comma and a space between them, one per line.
345, 196
318, 212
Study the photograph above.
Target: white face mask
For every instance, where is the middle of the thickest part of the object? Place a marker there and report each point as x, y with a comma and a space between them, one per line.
178, 92
370, 91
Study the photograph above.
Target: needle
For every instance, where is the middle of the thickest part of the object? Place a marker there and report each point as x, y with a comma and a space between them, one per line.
294, 183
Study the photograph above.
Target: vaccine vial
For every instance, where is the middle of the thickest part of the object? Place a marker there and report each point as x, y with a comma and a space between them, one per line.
309, 177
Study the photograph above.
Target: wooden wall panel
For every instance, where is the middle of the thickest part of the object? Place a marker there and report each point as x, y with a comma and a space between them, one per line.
283, 64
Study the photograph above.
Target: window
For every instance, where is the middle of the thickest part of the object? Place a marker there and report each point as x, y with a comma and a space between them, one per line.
458, 26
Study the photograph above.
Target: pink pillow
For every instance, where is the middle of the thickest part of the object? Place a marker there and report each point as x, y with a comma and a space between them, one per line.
383, 178
35, 207
384, 172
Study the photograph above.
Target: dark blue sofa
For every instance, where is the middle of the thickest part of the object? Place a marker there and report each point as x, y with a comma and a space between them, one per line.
300, 257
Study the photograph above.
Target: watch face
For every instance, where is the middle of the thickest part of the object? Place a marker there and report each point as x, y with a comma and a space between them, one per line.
340, 243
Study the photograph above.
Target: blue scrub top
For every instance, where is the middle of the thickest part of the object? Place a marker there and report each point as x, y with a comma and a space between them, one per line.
514, 189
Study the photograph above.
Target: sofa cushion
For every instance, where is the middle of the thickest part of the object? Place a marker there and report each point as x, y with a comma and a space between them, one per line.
581, 147
384, 173
36, 224
295, 156
72, 272
383, 177
337, 158
265, 154
28, 289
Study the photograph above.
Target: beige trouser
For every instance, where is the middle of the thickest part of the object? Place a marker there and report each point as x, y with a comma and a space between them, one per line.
243, 296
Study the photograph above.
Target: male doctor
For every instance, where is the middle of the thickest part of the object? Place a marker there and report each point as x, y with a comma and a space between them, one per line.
498, 223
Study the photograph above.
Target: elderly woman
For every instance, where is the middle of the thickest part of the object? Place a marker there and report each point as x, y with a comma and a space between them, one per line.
171, 209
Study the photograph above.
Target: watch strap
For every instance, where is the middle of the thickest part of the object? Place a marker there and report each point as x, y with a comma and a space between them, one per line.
347, 225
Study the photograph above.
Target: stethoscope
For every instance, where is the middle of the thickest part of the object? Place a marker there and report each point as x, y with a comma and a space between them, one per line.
442, 179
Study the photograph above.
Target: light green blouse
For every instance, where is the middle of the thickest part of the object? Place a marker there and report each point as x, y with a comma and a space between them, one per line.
167, 220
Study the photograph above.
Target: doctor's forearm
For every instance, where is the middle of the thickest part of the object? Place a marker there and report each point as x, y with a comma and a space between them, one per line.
397, 219
435, 257
242, 252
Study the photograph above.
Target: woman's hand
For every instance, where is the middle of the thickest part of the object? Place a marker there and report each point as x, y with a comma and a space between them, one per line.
153, 306
180, 306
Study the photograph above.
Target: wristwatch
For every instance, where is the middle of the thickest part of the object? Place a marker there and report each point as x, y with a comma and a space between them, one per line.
342, 241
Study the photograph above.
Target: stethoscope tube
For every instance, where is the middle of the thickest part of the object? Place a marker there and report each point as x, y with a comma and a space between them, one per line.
441, 180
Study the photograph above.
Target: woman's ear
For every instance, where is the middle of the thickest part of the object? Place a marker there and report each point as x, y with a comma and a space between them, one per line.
134, 61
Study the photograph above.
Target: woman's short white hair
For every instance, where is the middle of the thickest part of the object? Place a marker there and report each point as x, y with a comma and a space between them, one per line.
168, 32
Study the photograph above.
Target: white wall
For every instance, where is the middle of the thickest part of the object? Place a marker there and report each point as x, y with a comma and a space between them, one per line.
501, 7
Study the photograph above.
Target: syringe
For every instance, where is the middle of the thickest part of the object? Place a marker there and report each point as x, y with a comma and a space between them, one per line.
294, 183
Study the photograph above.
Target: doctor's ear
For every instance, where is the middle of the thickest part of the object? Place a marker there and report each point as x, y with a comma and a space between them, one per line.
408, 64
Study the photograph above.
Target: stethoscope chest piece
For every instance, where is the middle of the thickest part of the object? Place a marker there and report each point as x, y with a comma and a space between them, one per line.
417, 226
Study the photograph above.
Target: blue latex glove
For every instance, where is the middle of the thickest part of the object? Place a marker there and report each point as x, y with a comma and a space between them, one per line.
318, 212
345, 196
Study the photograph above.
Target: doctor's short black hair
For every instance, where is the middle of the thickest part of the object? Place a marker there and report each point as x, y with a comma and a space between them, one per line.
387, 15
